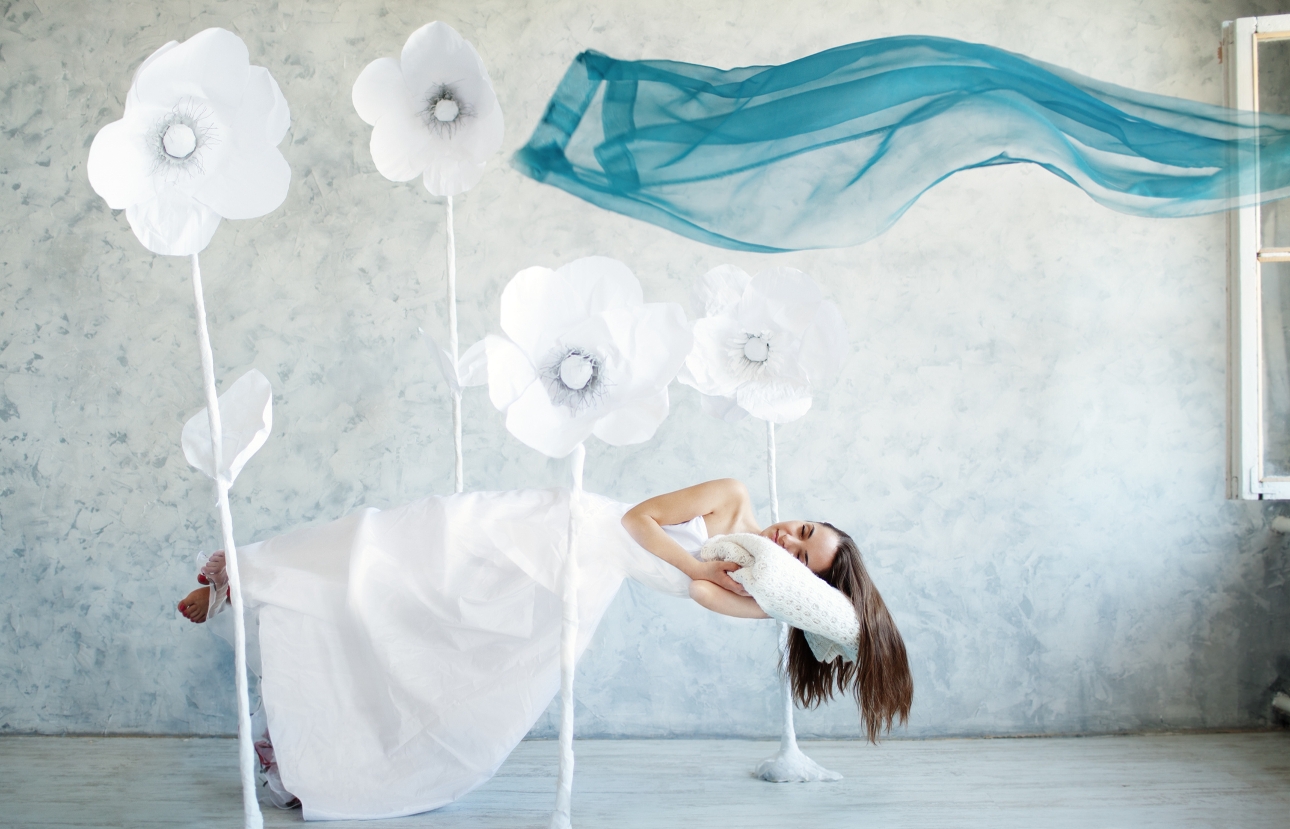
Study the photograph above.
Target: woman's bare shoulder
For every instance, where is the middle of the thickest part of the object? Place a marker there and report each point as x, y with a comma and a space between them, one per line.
730, 486
735, 512
721, 500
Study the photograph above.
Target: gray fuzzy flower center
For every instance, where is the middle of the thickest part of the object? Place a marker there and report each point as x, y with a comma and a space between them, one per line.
445, 110
182, 139
574, 378
757, 348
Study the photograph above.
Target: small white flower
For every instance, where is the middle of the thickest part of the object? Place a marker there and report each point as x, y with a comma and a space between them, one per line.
763, 344
584, 355
433, 111
198, 141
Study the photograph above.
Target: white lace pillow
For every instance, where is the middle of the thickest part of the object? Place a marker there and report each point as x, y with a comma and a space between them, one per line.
789, 592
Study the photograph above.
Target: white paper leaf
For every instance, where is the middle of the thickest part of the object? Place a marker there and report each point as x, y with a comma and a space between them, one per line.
473, 369
246, 418
444, 360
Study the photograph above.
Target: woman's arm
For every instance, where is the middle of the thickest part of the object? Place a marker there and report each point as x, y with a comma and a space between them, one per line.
718, 599
725, 500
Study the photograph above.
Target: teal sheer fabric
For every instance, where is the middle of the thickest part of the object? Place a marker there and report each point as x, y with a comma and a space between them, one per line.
831, 149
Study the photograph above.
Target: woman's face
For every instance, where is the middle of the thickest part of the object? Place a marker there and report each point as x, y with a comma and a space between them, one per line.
810, 543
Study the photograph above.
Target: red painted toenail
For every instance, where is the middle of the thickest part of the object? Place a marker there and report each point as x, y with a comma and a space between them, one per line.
201, 578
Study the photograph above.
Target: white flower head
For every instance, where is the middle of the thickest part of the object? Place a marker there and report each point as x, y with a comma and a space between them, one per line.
433, 111
198, 141
584, 355
763, 344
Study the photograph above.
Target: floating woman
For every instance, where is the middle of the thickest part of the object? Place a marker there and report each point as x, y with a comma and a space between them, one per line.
406, 652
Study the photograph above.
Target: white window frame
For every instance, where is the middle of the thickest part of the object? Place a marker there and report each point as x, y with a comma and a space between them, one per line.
1246, 478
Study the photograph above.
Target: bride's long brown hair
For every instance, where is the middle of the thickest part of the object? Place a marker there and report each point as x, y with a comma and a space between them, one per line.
880, 678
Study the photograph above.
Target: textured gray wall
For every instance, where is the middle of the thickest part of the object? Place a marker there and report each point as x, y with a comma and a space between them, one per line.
1028, 438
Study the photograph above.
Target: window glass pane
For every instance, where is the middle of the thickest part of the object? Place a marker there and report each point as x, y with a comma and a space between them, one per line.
1276, 224
1275, 281
1274, 96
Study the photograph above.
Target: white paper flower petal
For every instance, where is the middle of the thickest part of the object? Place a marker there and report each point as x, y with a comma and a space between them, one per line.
550, 429
472, 370
172, 224
451, 177
824, 345
651, 343
132, 97
264, 110
120, 164
435, 54
591, 335
211, 65
602, 283
718, 291
482, 135
400, 146
509, 371
775, 402
783, 298
252, 182
722, 408
246, 418
380, 89
634, 422
537, 305
713, 361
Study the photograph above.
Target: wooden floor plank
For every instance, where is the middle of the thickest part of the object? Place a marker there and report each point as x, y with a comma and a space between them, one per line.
1171, 782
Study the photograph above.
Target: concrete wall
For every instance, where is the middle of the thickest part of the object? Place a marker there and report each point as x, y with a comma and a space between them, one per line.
1028, 438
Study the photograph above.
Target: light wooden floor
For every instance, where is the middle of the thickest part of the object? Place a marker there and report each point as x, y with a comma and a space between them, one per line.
1172, 782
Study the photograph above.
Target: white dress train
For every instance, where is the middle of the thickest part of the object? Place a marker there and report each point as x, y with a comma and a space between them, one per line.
405, 652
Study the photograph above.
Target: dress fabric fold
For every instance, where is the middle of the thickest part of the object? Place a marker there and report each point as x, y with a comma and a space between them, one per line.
831, 149
406, 652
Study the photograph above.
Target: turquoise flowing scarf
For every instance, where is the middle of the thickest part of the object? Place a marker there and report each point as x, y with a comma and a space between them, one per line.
830, 150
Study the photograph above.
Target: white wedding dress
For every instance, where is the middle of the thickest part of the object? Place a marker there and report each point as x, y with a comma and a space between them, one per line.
405, 652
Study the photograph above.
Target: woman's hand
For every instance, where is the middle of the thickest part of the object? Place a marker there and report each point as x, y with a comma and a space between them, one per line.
718, 572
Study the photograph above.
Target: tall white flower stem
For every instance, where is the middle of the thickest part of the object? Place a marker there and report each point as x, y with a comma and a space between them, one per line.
246, 751
770, 471
561, 818
788, 735
789, 764
454, 347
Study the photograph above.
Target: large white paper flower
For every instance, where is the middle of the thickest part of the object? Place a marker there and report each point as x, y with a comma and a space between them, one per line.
198, 141
433, 111
583, 355
763, 344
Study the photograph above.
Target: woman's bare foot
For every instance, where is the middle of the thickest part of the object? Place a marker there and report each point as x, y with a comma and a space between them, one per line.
212, 571
195, 604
